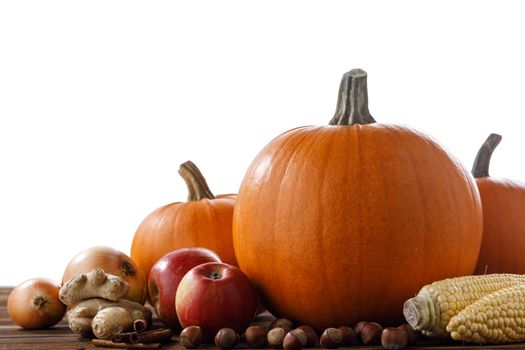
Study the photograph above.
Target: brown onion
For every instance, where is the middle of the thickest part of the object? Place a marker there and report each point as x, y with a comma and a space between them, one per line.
114, 262
34, 304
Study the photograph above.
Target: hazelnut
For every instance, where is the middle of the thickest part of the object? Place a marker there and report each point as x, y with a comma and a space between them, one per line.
284, 323
331, 338
255, 336
312, 339
412, 335
371, 333
226, 338
275, 337
191, 337
357, 329
348, 336
394, 338
294, 340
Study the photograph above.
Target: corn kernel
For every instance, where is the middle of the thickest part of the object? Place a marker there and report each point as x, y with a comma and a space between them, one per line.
502, 324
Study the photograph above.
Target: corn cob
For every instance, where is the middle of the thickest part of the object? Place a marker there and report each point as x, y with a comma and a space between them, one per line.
435, 304
496, 318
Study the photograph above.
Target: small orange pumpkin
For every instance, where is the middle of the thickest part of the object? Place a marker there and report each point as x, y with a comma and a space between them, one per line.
341, 223
204, 220
503, 203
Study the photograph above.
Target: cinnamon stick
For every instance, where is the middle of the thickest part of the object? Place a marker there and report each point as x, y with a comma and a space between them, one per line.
151, 336
109, 344
127, 337
154, 336
140, 325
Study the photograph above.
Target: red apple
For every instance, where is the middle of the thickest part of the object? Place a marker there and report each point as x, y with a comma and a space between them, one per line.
213, 296
165, 276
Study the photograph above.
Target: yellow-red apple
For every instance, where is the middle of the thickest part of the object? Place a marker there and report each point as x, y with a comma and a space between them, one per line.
213, 296
165, 276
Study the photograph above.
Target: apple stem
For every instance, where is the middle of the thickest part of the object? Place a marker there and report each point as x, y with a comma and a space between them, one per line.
215, 275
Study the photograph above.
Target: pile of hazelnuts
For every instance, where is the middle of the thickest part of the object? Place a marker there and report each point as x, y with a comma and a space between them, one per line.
281, 334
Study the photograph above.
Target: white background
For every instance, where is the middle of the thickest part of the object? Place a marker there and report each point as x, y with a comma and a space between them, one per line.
100, 101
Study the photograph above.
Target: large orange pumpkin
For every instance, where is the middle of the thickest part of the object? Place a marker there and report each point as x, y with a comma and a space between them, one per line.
204, 220
503, 204
341, 223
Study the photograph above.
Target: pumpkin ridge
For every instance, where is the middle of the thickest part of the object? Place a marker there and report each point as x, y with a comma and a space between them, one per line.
408, 151
474, 195
174, 223
359, 229
305, 148
379, 191
330, 295
303, 135
215, 207
359, 137
426, 220
212, 216
278, 145
168, 214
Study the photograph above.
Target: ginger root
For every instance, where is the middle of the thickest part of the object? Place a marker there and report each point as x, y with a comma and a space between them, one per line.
110, 321
83, 315
95, 284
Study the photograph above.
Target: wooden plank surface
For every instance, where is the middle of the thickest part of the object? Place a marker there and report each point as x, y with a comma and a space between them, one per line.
58, 337
61, 338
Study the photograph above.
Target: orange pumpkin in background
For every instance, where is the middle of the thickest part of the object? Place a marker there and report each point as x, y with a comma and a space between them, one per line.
204, 220
341, 223
503, 203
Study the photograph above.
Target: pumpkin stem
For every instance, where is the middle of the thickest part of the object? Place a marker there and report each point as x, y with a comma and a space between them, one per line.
482, 161
352, 102
197, 187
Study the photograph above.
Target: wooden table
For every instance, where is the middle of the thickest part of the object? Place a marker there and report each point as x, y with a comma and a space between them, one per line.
60, 337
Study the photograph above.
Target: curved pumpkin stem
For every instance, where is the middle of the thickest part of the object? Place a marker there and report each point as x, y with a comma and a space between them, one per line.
352, 102
482, 161
197, 187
